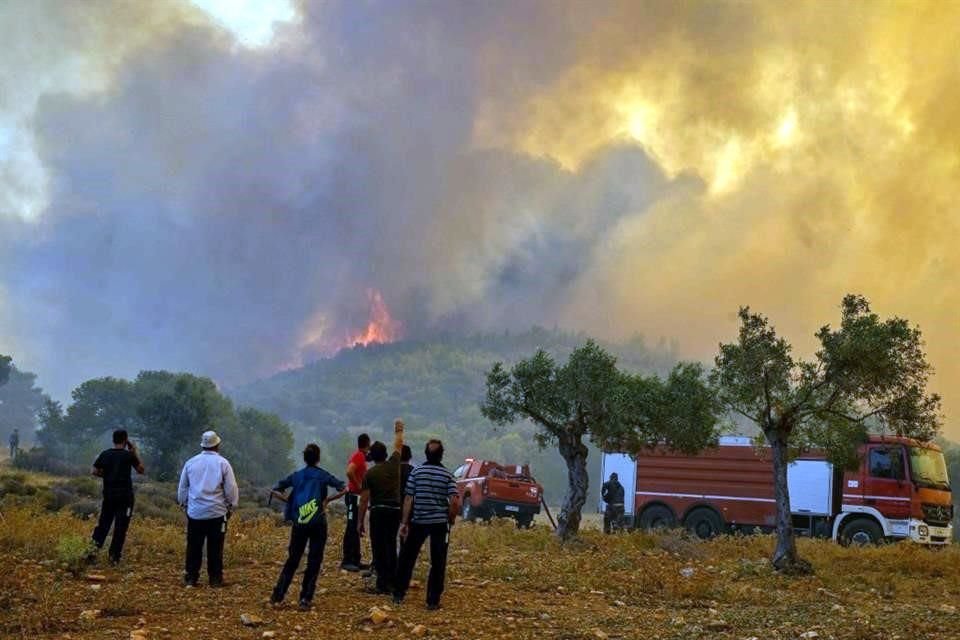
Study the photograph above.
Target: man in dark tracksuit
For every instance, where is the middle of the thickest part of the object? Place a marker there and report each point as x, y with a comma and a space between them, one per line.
612, 494
306, 510
381, 492
429, 508
114, 466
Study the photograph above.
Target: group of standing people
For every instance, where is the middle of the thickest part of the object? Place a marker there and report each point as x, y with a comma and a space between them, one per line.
405, 503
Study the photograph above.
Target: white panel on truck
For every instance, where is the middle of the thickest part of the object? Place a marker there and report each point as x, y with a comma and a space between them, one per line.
811, 487
626, 469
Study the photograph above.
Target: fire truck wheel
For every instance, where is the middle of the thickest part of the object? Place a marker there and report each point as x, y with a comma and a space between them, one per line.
704, 523
861, 532
657, 517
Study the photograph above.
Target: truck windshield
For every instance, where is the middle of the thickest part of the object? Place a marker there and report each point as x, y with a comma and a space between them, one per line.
928, 468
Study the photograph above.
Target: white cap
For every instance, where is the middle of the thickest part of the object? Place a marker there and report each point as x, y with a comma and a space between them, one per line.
209, 440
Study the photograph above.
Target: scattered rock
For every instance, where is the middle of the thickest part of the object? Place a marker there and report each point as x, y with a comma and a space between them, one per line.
619, 603
718, 625
95, 577
138, 634
250, 620
90, 614
599, 633
378, 615
142, 622
687, 572
95, 587
947, 608
561, 589
809, 635
414, 584
419, 631
269, 634
544, 616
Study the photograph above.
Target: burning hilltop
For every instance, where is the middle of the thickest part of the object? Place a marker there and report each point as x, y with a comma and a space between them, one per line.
321, 337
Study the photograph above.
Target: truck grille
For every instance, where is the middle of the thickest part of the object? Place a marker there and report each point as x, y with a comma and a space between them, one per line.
938, 515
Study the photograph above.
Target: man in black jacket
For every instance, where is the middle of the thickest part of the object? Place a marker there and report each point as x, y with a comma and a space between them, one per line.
612, 494
115, 466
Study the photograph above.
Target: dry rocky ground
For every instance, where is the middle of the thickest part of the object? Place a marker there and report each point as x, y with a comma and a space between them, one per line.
502, 583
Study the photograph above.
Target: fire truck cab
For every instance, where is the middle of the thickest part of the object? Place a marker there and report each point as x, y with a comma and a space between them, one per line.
899, 491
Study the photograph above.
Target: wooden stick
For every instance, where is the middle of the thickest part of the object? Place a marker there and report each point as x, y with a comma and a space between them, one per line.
547, 509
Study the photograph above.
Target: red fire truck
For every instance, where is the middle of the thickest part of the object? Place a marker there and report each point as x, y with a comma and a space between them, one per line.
900, 491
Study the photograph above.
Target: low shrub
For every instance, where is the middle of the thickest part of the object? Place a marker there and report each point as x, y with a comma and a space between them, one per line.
72, 552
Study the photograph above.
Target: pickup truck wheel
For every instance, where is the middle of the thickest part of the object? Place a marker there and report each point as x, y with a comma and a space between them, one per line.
657, 517
704, 523
860, 532
524, 522
469, 513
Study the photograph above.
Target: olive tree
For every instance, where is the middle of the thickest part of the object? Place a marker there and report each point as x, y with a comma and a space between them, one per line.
589, 398
868, 374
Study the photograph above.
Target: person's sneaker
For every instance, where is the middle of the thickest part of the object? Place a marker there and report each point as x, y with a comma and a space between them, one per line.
352, 568
304, 605
190, 583
364, 565
275, 599
397, 600
433, 606
114, 561
367, 574
217, 583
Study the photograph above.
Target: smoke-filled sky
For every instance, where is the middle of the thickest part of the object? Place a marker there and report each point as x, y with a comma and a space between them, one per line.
223, 187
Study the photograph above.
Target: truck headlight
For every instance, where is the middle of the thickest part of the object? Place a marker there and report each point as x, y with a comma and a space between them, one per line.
923, 530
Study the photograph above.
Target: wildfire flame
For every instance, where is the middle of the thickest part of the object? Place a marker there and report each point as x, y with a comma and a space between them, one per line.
318, 338
381, 327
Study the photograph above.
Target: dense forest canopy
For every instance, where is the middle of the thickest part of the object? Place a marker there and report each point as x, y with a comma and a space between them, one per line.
435, 386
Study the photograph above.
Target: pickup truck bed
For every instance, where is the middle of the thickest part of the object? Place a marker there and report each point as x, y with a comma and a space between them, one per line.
489, 489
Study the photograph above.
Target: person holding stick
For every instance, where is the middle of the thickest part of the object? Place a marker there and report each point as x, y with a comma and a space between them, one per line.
380, 492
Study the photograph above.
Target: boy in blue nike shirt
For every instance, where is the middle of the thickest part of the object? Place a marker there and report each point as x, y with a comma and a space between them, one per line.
305, 508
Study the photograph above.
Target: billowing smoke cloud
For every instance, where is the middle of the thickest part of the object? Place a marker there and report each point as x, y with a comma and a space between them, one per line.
614, 167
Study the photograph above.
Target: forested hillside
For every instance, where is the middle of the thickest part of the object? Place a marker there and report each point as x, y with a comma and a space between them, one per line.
435, 386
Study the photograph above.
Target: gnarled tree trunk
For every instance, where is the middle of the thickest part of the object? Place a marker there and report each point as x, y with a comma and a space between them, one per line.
574, 453
785, 557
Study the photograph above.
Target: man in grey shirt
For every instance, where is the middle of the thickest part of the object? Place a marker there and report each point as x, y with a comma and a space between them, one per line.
208, 491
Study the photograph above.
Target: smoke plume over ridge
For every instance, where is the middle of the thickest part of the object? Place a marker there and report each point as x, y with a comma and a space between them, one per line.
170, 198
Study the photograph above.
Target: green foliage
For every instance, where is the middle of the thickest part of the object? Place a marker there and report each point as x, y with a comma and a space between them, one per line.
868, 375
20, 400
436, 386
589, 397
165, 413
72, 552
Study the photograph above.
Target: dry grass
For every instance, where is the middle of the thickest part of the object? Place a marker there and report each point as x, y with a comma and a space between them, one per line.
501, 583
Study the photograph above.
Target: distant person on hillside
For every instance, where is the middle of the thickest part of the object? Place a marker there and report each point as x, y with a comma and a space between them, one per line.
429, 509
612, 494
115, 466
406, 455
356, 470
208, 491
306, 509
381, 492
14, 443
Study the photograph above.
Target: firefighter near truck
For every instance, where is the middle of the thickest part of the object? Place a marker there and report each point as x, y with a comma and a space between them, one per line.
899, 491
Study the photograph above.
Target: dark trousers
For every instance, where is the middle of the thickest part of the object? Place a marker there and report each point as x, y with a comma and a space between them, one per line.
384, 523
316, 534
351, 537
439, 535
212, 532
612, 518
13, 451
115, 511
